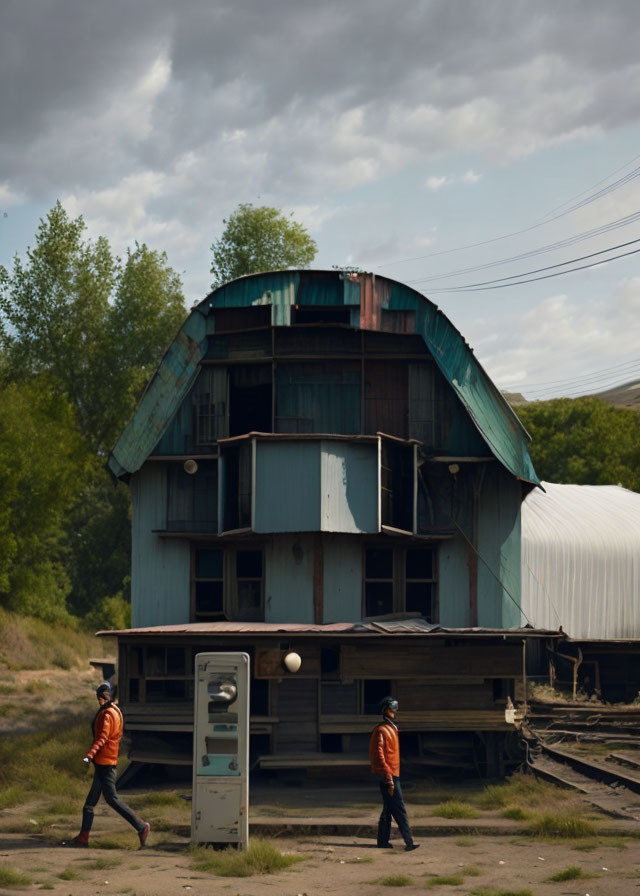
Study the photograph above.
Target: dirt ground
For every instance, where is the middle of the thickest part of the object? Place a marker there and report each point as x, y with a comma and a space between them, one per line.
336, 865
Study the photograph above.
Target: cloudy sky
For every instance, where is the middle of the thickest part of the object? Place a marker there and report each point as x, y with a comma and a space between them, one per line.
401, 134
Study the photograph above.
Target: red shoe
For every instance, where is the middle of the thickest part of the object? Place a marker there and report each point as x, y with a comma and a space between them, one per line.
75, 843
143, 834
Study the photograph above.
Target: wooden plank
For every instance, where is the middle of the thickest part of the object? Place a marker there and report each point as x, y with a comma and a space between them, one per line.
432, 660
441, 720
313, 760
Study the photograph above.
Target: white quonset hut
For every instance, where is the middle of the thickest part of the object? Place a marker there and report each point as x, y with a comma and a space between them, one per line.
581, 560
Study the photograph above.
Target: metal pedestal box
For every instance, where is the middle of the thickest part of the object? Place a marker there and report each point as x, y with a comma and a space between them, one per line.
220, 807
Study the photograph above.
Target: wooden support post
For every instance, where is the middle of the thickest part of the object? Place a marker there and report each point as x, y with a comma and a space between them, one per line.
318, 580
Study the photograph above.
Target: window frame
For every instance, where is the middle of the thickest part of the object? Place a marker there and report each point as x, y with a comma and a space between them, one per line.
400, 578
229, 580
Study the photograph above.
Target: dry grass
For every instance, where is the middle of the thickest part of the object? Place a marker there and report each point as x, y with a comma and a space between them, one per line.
9, 877
445, 880
524, 792
572, 872
396, 880
566, 825
454, 809
261, 857
29, 643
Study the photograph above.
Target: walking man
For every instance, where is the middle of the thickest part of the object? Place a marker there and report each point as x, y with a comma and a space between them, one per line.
107, 733
384, 756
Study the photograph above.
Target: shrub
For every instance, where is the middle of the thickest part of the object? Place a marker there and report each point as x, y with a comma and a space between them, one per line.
454, 809
261, 857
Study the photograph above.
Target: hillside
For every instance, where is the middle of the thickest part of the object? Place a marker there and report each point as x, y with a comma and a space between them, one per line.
626, 395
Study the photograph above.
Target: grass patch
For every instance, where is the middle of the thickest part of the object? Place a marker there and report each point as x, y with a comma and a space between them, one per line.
12, 796
598, 843
445, 880
29, 643
117, 841
261, 857
567, 825
69, 874
573, 872
396, 880
523, 791
464, 841
159, 799
471, 871
454, 809
98, 864
11, 878
488, 891
63, 807
515, 813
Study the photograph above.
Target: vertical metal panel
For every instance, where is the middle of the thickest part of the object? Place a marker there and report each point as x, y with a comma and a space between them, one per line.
287, 487
342, 578
160, 568
386, 398
289, 579
349, 493
453, 583
499, 548
374, 296
321, 397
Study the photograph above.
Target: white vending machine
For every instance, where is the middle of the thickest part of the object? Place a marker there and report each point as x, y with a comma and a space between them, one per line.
220, 803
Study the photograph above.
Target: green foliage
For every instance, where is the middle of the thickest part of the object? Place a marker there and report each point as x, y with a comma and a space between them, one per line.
454, 809
445, 880
81, 332
397, 880
110, 613
489, 891
259, 239
261, 857
11, 878
584, 441
567, 825
573, 872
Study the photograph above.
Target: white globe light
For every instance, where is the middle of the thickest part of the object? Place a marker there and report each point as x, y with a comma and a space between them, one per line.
293, 662
190, 466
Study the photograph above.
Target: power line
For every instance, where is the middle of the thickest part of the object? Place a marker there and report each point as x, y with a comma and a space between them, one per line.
559, 244
498, 284
573, 379
593, 186
587, 387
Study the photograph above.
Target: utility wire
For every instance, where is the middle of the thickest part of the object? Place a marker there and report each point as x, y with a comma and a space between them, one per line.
497, 284
593, 186
579, 382
595, 372
551, 247
547, 220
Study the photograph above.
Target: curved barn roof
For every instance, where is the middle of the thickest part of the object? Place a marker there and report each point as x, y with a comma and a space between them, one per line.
370, 299
581, 560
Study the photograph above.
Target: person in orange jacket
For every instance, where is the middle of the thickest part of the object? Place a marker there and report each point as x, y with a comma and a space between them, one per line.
107, 732
384, 756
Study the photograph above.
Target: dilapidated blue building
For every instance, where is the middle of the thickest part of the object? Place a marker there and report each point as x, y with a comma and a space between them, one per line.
321, 464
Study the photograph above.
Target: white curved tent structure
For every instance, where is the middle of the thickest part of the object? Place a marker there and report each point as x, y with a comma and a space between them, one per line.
581, 560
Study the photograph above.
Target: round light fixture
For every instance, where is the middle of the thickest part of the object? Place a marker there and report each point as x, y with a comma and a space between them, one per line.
190, 466
292, 662
453, 469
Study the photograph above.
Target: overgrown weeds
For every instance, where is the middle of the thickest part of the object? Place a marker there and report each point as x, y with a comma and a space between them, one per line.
446, 880
520, 791
572, 872
567, 825
261, 857
396, 880
454, 809
9, 877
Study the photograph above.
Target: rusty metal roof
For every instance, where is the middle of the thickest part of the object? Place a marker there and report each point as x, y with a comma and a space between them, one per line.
372, 298
384, 627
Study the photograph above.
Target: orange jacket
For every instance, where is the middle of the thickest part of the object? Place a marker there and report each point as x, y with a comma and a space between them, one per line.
107, 732
384, 751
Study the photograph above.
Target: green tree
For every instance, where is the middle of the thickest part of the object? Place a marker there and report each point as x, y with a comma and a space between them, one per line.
584, 441
90, 328
259, 239
41, 464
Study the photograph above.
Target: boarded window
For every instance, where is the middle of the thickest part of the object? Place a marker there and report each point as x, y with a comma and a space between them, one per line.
318, 397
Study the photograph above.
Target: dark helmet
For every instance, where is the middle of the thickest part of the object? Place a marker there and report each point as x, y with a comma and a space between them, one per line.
104, 690
388, 703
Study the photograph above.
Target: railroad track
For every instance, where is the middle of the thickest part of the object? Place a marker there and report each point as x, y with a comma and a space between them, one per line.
593, 751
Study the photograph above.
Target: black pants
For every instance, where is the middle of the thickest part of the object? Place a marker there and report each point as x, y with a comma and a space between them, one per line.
104, 782
393, 807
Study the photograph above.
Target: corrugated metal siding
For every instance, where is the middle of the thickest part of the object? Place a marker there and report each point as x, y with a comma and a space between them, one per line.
321, 396
342, 578
166, 392
581, 560
386, 394
453, 583
349, 487
499, 548
287, 487
289, 579
160, 568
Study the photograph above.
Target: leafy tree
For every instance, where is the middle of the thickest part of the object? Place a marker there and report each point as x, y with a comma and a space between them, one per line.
95, 325
259, 239
80, 323
584, 441
41, 464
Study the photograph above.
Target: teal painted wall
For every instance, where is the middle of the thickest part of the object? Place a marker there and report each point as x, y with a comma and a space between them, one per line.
289, 578
159, 567
310, 486
499, 546
342, 578
453, 583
